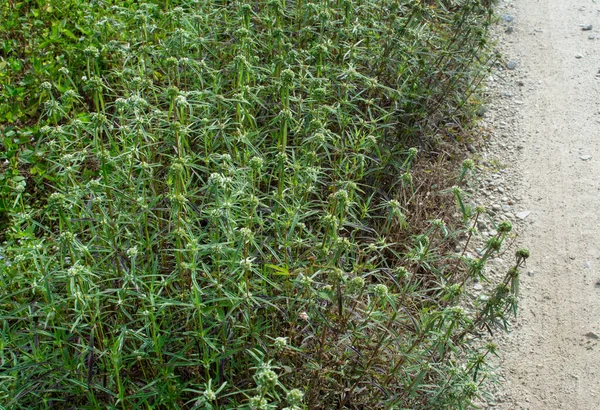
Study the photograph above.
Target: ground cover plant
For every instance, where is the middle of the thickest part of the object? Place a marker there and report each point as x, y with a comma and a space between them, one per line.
220, 204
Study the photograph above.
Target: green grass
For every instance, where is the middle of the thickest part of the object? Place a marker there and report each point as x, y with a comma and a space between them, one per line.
215, 204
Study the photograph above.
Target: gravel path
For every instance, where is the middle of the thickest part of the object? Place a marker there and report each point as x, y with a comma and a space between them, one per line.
546, 121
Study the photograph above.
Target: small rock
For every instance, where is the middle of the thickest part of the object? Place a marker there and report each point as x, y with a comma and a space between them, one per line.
493, 232
506, 208
511, 65
471, 148
496, 207
500, 189
592, 37
597, 283
585, 157
586, 27
508, 18
530, 273
592, 335
578, 55
477, 286
522, 215
510, 29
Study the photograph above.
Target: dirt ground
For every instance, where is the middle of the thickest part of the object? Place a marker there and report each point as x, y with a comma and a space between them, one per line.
551, 358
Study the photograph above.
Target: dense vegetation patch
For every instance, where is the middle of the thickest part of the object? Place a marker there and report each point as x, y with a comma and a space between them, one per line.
215, 204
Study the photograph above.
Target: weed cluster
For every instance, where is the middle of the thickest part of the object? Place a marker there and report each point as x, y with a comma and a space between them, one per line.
212, 204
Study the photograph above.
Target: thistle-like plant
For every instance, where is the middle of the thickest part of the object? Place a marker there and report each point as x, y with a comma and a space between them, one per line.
219, 205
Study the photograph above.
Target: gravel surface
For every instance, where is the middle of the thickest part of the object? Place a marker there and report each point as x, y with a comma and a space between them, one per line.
540, 169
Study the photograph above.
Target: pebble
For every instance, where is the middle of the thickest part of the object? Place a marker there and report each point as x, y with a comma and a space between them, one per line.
585, 157
522, 215
496, 207
530, 273
509, 18
511, 65
586, 27
478, 286
592, 335
578, 55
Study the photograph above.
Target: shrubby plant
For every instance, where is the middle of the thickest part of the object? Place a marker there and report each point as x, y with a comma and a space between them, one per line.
217, 205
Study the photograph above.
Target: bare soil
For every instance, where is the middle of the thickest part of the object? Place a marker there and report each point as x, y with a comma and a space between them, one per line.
551, 358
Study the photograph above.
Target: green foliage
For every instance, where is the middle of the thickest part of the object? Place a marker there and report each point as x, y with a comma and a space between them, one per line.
195, 200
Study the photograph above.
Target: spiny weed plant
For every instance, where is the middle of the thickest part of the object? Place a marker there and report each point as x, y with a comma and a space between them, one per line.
214, 205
